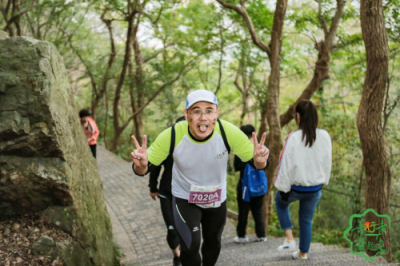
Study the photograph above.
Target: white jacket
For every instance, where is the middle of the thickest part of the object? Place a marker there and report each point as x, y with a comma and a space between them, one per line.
304, 166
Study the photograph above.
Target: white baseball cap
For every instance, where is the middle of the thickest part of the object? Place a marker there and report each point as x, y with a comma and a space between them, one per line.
200, 96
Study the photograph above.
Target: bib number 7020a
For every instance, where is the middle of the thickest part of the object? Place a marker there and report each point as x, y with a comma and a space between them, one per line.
202, 197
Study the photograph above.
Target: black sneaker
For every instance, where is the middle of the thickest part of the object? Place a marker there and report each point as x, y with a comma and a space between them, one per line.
176, 261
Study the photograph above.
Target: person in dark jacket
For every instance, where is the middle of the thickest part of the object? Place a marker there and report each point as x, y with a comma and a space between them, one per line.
165, 195
255, 204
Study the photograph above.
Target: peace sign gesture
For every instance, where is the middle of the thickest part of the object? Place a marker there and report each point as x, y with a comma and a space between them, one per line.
139, 156
261, 153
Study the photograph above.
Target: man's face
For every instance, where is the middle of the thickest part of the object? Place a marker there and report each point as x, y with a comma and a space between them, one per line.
201, 118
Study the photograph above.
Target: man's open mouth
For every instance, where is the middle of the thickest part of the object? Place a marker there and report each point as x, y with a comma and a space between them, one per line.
203, 128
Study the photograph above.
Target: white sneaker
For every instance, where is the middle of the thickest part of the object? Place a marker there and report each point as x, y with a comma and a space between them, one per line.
241, 240
261, 239
296, 256
287, 246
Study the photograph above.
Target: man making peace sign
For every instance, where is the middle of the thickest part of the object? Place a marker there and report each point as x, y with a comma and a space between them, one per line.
200, 153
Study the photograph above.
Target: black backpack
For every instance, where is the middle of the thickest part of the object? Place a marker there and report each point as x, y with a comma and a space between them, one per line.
172, 146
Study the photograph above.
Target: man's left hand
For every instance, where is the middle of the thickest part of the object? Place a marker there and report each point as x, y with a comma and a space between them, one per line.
261, 153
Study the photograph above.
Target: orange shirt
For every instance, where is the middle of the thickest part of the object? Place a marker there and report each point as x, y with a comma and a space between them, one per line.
91, 131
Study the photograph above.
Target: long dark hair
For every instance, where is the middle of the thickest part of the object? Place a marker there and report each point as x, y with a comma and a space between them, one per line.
308, 121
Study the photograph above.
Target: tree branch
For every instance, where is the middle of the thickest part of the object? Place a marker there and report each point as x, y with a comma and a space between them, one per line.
154, 22
30, 24
113, 53
220, 61
201, 78
160, 89
321, 18
127, 57
157, 53
390, 110
335, 22
243, 12
17, 16
91, 76
5, 10
321, 70
236, 82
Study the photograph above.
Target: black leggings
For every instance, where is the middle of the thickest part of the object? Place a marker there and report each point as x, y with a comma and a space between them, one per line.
188, 218
255, 205
93, 149
166, 209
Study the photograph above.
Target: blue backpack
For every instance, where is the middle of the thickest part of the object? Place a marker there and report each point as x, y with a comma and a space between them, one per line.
254, 183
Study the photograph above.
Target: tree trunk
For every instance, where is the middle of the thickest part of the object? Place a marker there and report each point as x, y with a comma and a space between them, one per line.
117, 96
17, 22
244, 89
271, 108
110, 63
5, 11
105, 121
138, 122
369, 116
115, 140
245, 107
139, 86
272, 105
263, 124
136, 84
12, 13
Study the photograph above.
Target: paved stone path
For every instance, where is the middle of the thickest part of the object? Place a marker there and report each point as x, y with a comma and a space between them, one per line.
139, 229
138, 225
136, 218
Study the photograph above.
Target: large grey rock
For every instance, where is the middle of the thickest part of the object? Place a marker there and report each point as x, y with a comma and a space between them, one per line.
45, 162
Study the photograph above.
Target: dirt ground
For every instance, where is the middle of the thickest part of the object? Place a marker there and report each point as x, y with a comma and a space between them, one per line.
17, 234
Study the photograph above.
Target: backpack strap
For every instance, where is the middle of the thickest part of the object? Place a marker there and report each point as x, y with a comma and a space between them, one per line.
172, 146
224, 136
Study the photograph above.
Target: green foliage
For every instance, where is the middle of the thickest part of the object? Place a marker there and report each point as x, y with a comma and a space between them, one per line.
331, 237
274, 228
231, 201
262, 16
66, 214
303, 18
118, 255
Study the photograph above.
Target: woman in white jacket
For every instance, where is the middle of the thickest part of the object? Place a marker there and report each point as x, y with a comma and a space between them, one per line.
304, 166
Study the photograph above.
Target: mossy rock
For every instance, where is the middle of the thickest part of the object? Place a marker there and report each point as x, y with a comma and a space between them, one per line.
45, 161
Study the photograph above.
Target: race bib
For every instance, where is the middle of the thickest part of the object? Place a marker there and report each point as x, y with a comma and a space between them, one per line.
205, 195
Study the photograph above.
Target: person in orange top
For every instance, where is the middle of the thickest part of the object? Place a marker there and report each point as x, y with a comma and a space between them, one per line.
90, 129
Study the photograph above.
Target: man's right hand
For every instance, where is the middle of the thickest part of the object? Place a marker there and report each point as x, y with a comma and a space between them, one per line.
154, 195
139, 156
